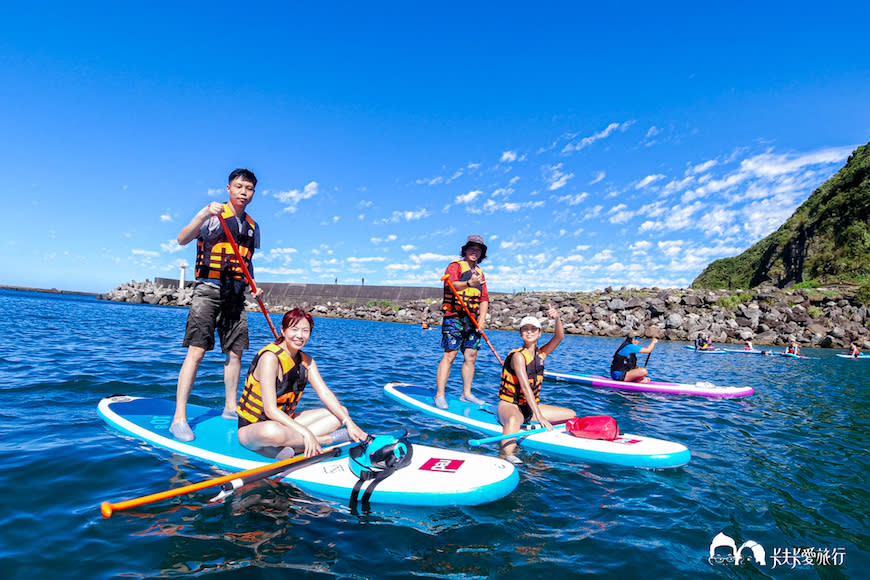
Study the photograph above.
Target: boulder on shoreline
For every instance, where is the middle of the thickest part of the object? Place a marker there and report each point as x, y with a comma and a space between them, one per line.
821, 317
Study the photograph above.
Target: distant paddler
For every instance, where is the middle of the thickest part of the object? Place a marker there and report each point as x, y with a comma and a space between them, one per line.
624, 365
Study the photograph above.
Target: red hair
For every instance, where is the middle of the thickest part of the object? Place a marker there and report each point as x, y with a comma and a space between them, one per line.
292, 318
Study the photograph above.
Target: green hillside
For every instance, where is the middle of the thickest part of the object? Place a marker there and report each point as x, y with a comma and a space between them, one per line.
826, 240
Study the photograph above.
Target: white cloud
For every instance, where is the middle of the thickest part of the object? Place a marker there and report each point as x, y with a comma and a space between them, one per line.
284, 255
355, 260
145, 253
468, 197
586, 141
399, 216
603, 256
703, 167
292, 198
555, 177
573, 199
598, 177
407, 247
491, 206
171, 246
508, 157
640, 247
670, 248
166, 218
430, 257
648, 180
682, 216
430, 180
389, 238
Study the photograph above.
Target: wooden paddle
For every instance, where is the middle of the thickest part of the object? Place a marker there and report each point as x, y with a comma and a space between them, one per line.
446, 278
246, 273
108, 508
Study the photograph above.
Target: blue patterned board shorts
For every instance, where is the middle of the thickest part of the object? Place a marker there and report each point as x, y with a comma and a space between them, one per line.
458, 332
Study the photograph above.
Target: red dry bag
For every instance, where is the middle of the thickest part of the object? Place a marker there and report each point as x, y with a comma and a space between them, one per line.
594, 427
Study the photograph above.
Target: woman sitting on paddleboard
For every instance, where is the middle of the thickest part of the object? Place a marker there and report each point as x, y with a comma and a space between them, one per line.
268, 423
521, 378
624, 365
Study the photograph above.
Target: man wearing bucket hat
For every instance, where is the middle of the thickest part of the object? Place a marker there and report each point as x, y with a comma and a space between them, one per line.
458, 331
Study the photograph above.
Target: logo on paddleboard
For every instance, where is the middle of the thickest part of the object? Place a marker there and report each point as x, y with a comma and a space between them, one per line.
442, 465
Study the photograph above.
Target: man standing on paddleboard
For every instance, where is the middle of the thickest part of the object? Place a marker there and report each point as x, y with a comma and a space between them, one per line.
219, 294
464, 308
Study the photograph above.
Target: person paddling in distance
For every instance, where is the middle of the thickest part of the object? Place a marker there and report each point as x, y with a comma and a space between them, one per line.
218, 301
854, 350
521, 378
793, 348
624, 365
458, 331
268, 421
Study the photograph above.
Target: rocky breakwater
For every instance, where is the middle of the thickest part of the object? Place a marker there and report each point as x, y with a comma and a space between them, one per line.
820, 317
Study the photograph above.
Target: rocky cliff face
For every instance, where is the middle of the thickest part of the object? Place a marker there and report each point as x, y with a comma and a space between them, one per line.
827, 239
822, 317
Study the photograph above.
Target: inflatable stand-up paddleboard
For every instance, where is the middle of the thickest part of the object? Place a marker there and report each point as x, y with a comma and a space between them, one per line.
434, 477
629, 450
706, 350
701, 389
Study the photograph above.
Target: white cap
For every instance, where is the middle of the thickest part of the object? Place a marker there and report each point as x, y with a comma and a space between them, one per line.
530, 320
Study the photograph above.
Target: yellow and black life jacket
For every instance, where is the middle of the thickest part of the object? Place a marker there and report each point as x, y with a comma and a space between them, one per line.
216, 260
471, 296
510, 389
289, 388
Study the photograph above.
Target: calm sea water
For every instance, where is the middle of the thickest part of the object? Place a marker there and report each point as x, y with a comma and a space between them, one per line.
785, 468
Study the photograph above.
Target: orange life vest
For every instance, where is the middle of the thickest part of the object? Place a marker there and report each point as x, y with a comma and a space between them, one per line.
471, 296
216, 259
289, 388
510, 389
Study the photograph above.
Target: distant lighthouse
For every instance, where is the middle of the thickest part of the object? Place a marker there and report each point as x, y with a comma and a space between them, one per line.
181, 278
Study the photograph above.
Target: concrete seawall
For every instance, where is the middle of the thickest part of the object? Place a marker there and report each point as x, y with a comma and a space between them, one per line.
286, 293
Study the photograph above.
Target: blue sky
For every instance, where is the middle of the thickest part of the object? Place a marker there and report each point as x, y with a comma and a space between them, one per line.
591, 144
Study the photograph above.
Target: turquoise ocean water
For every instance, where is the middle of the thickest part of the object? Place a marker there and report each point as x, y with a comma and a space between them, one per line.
785, 468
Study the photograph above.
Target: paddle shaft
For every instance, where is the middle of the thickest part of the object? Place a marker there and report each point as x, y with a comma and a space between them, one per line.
107, 508
246, 273
227, 488
446, 278
518, 435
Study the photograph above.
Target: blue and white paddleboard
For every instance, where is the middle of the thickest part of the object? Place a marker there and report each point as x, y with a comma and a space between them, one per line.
854, 357
435, 477
630, 450
706, 350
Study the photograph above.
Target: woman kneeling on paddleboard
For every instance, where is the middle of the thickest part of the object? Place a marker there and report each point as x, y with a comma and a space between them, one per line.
521, 378
624, 367
268, 423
